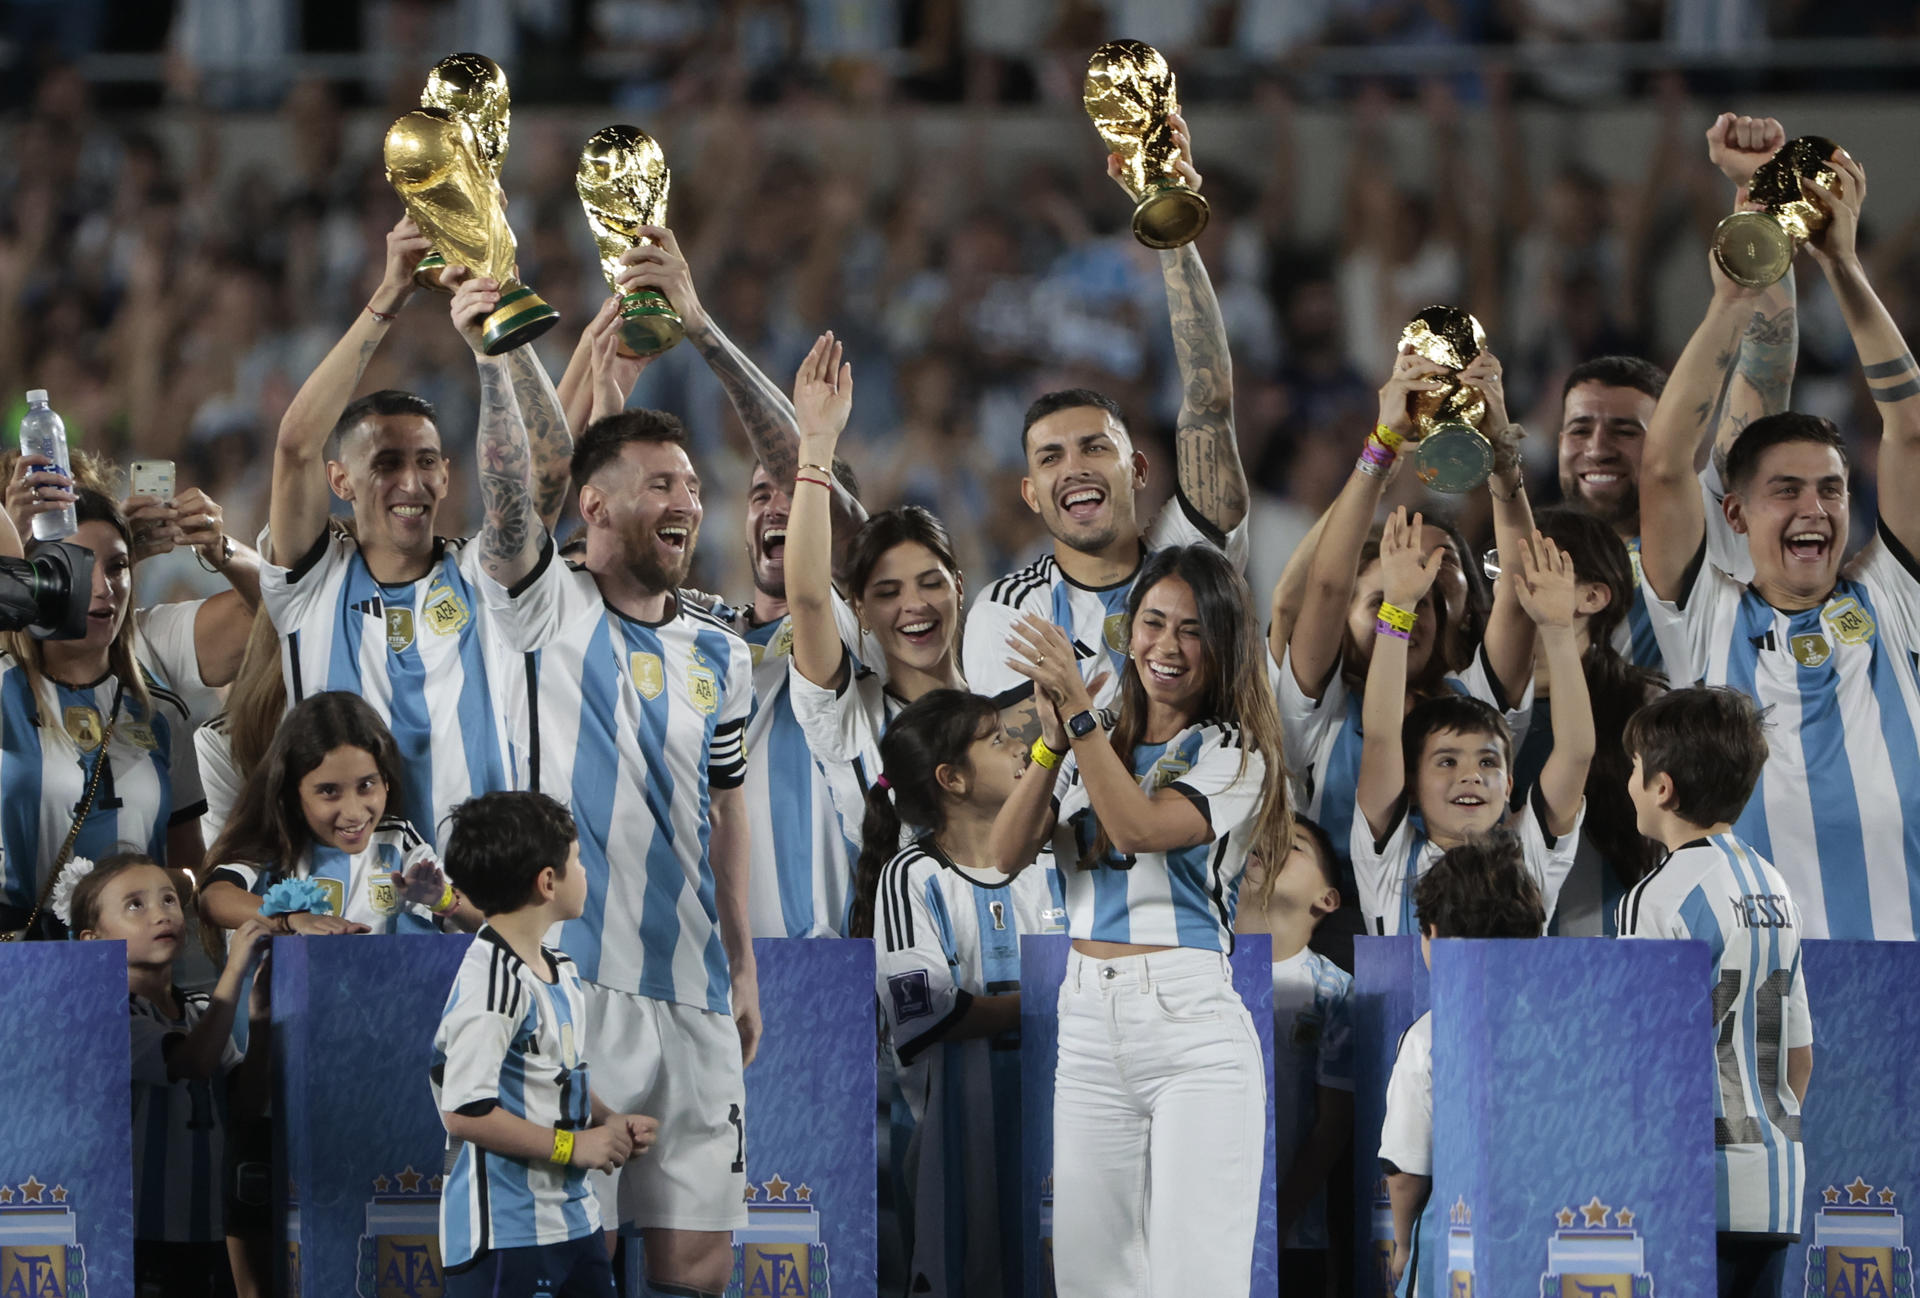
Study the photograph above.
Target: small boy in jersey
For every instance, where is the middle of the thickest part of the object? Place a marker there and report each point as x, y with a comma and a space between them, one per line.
1312, 1044
1697, 754
510, 1073
1484, 888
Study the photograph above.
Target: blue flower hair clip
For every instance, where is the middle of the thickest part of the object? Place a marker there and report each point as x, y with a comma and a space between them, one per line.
292, 895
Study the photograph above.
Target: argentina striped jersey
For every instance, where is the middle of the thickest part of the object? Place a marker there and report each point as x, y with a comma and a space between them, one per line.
419, 652
178, 1127
1837, 809
359, 886
632, 724
1720, 891
1185, 897
513, 1041
1634, 638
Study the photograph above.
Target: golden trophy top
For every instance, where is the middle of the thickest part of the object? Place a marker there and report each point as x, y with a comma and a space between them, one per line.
622, 179
1451, 338
1129, 95
1776, 184
473, 88
435, 165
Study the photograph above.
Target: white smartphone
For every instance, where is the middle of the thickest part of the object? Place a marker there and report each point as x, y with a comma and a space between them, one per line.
152, 478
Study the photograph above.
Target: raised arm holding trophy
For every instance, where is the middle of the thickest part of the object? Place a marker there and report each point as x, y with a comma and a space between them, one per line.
623, 180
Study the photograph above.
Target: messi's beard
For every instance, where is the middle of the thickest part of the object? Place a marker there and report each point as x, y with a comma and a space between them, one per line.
654, 575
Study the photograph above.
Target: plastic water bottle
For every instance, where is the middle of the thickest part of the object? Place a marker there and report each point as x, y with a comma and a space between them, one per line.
43, 433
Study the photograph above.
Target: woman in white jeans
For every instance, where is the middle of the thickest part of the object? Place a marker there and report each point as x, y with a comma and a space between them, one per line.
1155, 1179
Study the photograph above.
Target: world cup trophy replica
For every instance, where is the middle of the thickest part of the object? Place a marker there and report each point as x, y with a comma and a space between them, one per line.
1756, 249
434, 164
1453, 455
473, 88
1129, 95
623, 180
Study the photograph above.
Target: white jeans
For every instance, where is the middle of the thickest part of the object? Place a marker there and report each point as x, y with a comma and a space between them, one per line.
1159, 1103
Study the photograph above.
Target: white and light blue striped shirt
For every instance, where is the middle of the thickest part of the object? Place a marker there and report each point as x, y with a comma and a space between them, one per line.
360, 887
1184, 897
44, 770
1720, 891
512, 1041
633, 725
1837, 808
943, 936
419, 652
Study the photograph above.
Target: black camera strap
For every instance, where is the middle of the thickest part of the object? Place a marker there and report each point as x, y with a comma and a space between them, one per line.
79, 819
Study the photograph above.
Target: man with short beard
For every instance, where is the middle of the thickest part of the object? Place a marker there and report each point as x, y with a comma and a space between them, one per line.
632, 707
801, 880
1083, 475
1607, 405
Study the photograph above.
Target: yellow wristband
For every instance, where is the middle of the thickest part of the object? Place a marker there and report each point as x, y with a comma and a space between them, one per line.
562, 1146
1388, 438
446, 903
1396, 617
1044, 756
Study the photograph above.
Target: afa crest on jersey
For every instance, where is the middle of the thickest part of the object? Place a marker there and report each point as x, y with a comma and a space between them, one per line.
445, 611
1596, 1253
1167, 770
40, 1251
400, 1253
779, 1253
703, 687
1859, 1247
649, 674
1849, 623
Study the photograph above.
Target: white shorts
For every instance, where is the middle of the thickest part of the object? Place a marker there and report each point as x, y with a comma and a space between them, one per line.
681, 1065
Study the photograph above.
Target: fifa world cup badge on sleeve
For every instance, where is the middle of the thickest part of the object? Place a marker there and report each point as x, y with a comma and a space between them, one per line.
1859, 1247
1592, 1257
40, 1252
779, 1253
1460, 1250
83, 725
400, 1253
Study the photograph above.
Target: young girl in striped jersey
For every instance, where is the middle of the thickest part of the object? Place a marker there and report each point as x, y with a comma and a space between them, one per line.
947, 929
311, 847
183, 1061
1155, 1179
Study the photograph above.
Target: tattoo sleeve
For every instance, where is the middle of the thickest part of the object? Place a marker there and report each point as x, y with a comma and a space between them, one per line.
547, 435
765, 411
1207, 456
510, 538
1757, 374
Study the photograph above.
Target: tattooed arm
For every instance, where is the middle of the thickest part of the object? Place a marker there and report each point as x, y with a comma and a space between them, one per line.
511, 536
548, 436
1207, 457
297, 511
765, 411
1757, 373
1892, 377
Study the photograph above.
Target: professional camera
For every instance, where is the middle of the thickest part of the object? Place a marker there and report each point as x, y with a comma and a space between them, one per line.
48, 594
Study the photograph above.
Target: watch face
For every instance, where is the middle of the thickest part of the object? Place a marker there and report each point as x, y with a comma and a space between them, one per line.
1082, 724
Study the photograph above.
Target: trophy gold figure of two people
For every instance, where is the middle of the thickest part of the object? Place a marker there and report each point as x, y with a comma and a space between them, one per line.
443, 161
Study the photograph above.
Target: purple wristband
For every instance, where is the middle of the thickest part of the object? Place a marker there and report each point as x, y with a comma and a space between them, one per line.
1383, 627
1376, 458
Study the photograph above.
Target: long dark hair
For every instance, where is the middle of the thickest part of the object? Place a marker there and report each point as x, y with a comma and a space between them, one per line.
269, 829
891, 527
934, 730
1616, 686
1236, 686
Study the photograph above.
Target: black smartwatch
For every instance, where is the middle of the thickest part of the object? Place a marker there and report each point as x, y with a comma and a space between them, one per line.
1082, 724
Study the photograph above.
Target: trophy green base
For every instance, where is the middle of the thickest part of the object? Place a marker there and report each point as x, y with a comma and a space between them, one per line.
1453, 459
1753, 249
648, 324
521, 317
427, 273
1171, 217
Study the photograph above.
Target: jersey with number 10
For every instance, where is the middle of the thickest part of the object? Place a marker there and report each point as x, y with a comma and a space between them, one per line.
418, 652
632, 724
1722, 892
